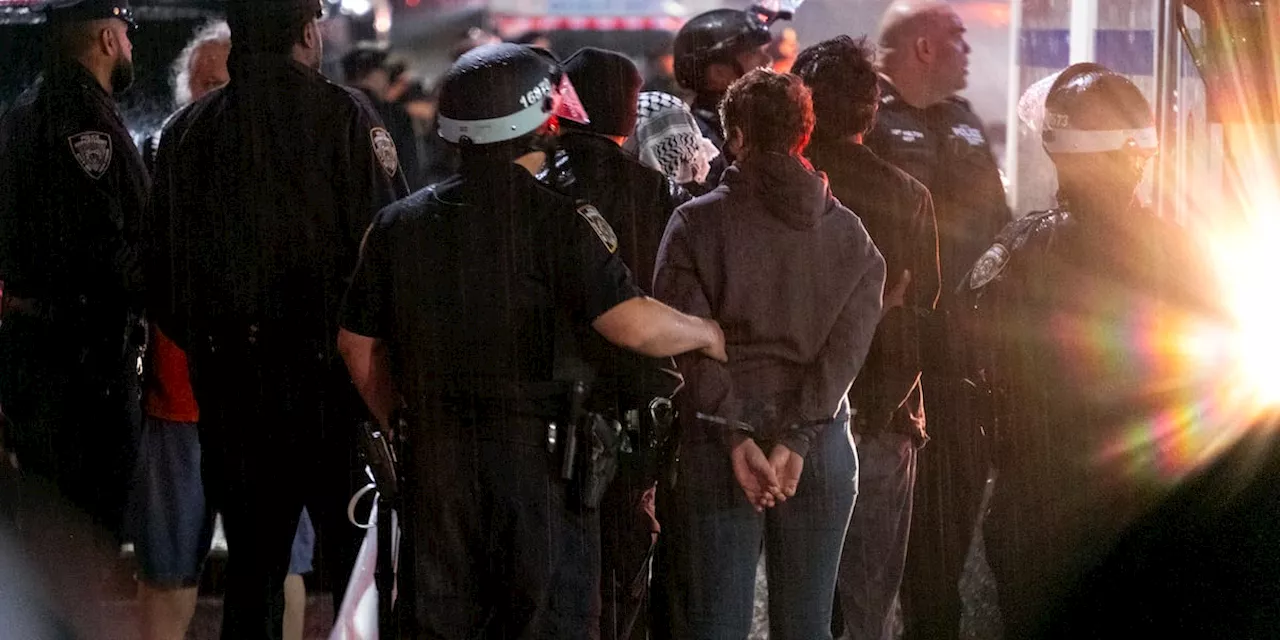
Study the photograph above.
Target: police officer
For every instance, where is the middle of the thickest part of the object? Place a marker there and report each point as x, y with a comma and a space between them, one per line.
929, 132
712, 50
933, 134
1051, 284
889, 418
468, 301
72, 192
636, 201
263, 191
366, 68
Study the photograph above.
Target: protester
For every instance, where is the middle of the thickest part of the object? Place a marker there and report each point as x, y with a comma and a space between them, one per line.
889, 416
766, 459
667, 138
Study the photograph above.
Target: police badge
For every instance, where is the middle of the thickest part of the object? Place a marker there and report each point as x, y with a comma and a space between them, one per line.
384, 149
989, 266
600, 226
92, 150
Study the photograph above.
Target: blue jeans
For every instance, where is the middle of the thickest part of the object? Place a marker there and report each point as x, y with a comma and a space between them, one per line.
712, 538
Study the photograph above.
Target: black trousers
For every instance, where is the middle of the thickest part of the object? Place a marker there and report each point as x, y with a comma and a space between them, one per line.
951, 472
499, 550
73, 410
627, 546
277, 432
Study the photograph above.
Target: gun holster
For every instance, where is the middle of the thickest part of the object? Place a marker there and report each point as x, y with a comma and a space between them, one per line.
589, 449
381, 458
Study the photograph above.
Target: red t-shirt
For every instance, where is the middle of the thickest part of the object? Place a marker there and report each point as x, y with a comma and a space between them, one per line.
168, 394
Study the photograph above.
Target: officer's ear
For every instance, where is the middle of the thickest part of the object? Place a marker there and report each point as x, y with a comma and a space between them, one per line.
311, 34
105, 39
924, 49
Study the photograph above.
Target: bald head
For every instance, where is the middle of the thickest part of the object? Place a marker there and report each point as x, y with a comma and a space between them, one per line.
906, 20
922, 44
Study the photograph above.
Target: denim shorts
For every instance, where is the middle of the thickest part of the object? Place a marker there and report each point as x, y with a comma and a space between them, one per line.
168, 520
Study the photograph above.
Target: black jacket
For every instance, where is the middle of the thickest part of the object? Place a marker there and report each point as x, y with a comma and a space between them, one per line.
263, 192
898, 213
400, 125
72, 193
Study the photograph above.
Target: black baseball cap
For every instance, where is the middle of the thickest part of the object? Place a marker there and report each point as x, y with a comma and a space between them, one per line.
70, 11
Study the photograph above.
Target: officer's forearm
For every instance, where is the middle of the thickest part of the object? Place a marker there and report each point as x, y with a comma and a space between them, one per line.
649, 327
370, 370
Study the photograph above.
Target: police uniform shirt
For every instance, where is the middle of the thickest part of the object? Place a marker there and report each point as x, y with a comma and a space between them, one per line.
263, 191
464, 279
637, 202
72, 193
945, 147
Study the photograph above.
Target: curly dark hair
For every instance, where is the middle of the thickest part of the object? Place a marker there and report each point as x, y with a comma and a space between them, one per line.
842, 75
773, 110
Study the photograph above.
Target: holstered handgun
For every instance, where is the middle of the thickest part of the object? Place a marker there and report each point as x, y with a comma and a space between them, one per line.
605, 438
589, 448
381, 457
380, 454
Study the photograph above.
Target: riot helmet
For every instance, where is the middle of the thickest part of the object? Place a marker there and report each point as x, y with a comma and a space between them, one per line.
1100, 132
502, 92
1091, 109
715, 36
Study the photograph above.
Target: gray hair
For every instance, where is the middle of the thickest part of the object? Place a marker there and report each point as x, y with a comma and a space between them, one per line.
180, 75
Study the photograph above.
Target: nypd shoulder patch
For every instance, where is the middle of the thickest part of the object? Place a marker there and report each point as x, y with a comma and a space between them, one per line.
600, 226
988, 266
384, 149
92, 150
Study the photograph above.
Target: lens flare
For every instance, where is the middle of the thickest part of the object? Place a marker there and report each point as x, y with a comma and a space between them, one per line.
1213, 372
1247, 262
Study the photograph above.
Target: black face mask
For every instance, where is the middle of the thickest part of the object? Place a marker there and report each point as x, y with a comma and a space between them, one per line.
122, 76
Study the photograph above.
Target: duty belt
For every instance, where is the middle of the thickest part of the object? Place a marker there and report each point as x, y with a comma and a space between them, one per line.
42, 308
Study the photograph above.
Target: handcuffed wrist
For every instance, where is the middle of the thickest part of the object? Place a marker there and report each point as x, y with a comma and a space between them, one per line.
728, 428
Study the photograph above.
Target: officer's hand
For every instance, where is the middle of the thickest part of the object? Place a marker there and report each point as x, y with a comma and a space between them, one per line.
715, 350
754, 473
897, 296
788, 465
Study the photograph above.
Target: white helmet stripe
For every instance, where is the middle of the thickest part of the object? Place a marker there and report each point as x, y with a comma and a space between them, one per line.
494, 130
1082, 141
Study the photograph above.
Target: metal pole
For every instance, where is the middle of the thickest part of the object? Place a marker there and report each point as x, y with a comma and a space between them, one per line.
1166, 74
1013, 124
1084, 31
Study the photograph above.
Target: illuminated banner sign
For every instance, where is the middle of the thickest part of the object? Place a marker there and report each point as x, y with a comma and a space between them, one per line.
517, 16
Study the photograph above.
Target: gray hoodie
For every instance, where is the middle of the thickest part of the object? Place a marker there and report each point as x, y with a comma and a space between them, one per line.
795, 281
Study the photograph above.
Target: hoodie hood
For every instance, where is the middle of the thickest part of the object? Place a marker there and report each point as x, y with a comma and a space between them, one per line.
787, 186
